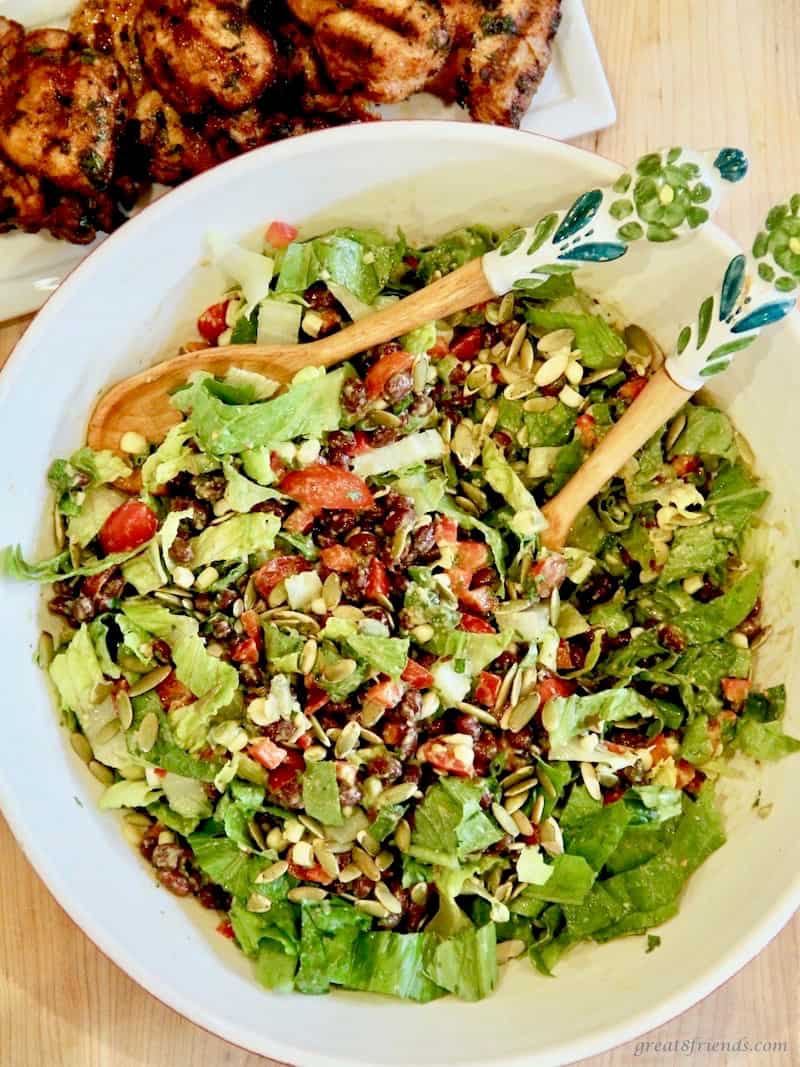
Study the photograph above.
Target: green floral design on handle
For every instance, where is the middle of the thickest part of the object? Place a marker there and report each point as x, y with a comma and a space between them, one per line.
754, 294
667, 194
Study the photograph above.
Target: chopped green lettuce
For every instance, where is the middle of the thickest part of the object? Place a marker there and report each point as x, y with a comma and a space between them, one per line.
464, 964
707, 432
237, 538
321, 793
575, 713
449, 821
527, 519
360, 260
600, 346
707, 622
454, 250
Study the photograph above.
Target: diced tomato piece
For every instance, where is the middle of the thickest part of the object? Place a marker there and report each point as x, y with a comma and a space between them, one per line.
277, 466
305, 741
630, 390
252, 626
128, 526
276, 570
445, 756
611, 796
361, 442
438, 349
685, 773
474, 624
339, 558
586, 425
245, 650
417, 676
388, 694
316, 697
172, 693
445, 531
301, 520
736, 690
683, 465
292, 765
377, 580
472, 555
212, 322
479, 601
459, 580
281, 234
314, 873
468, 345
486, 688
385, 368
552, 686
549, 574
267, 753
323, 486
564, 656
159, 772
534, 837
226, 929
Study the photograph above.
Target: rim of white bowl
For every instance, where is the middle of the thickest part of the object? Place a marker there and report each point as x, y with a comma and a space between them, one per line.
739, 954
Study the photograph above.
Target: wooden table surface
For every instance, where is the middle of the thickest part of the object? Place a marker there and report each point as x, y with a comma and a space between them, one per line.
703, 72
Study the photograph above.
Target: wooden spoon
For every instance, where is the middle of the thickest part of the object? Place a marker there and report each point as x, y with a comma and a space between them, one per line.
657, 201
755, 292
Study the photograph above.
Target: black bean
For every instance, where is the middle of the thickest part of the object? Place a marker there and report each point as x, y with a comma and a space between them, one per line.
354, 396
181, 550
82, 609
398, 387
209, 486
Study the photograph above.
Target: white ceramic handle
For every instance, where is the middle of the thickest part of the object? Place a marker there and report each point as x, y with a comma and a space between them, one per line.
666, 195
757, 290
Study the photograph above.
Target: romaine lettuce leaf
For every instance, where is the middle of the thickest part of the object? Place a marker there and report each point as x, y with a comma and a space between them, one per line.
570, 881
527, 519
387, 655
454, 250
321, 793
165, 753
125, 794
694, 550
237, 538
707, 622
308, 408
707, 432
360, 260
224, 863
464, 964
450, 822
98, 504
734, 498
172, 457
241, 494
574, 714
601, 347
759, 732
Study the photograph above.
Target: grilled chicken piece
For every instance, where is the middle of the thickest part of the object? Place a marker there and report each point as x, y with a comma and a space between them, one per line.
509, 57
309, 86
170, 150
22, 203
109, 26
385, 49
61, 112
499, 57
202, 53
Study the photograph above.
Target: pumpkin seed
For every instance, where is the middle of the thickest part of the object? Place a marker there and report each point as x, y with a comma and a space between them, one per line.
397, 794
641, 342
385, 418
319, 733
520, 389
349, 873
538, 809
476, 495
337, 672
366, 864
256, 834
489, 420
326, 859
505, 311
519, 788
504, 820
302, 854
311, 825
272, 873
124, 707
547, 786
347, 739
420, 373
419, 893
467, 505
676, 428
293, 831
524, 824
276, 839
430, 705
107, 732
101, 772
332, 591
589, 775
574, 372
384, 859
423, 633
349, 612
402, 836
552, 369
516, 776
258, 903
465, 443
149, 681
306, 892
168, 598
504, 891
505, 687
491, 313
509, 950
80, 746
386, 897
373, 908
551, 837
550, 716
58, 527
384, 602
480, 714
555, 341
512, 804
138, 819
399, 541
517, 342
478, 378
314, 754
148, 731
570, 397
277, 595
539, 404
526, 357
44, 651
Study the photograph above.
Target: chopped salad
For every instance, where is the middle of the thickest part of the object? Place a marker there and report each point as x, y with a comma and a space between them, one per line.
319, 659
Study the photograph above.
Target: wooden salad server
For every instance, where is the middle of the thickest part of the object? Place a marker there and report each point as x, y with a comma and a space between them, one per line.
756, 291
666, 195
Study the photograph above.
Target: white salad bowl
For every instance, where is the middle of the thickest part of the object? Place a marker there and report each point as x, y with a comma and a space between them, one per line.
121, 309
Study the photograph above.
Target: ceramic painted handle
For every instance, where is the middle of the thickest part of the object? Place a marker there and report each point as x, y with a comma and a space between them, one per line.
757, 290
666, 195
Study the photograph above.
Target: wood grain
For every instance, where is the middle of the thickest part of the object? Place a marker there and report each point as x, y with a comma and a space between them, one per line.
706, 72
